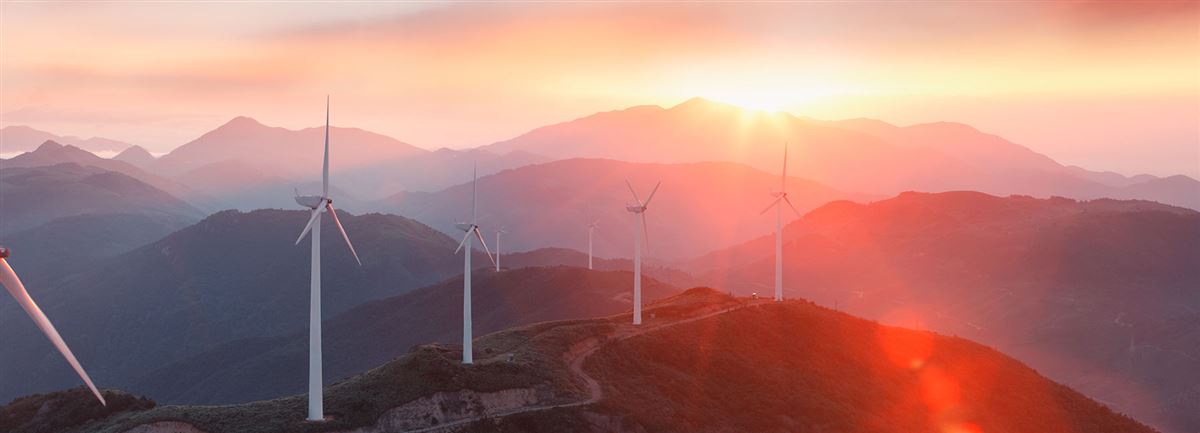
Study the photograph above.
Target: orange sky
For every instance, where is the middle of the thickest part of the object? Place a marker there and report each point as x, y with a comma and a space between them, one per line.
1106, 86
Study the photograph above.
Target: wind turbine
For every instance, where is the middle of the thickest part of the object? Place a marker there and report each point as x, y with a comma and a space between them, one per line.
469, 229
498, 233
591, 229
10, 281
638, 209
318, 204
780, 196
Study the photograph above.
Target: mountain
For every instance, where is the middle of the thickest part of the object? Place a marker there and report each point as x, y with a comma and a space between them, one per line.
33, 196
136, 156
52, 153
20, 138
705, 363
246, 165
68, 245
283, 151
379, 331
1098, 295
855, 155
233, 275
700, 206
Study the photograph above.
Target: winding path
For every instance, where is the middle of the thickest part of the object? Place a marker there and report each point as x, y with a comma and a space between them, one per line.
595, 391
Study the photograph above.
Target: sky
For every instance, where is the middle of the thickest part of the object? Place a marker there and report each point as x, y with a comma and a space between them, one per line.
1106, 85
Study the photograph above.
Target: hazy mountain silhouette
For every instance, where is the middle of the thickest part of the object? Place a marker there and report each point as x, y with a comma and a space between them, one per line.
33, 196
20, 138
233, 275
700, 207
246, 165
1098, 295
705, 363
52, 153
282, 151
136, 155
856, 155
379, 331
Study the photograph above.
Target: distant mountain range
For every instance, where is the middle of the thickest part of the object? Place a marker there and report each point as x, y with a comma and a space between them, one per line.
247, 165
368, 335
861, 155
704, 362
1099, 295
699, 207
20, 138
33, 196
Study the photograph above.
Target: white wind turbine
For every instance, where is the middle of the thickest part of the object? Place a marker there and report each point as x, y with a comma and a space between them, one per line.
469, 229
498, 233
591, 230
318, 204
780, 196
638, 209
10, 281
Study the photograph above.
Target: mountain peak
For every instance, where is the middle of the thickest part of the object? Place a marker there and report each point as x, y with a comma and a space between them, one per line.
700, 103
136, 155
49, 146
242, 121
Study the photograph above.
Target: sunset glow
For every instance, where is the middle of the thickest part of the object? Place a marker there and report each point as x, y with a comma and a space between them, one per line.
158, 74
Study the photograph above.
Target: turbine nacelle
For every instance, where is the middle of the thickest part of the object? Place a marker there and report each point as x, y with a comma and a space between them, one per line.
313, 201
633, 208
466, 227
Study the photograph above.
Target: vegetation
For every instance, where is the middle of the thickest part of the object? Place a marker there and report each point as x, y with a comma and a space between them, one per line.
766, 367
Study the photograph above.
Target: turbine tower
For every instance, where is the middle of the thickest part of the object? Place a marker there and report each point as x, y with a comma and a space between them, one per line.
638, 209
780, 196
9, 279
591, 229
469, 229
498, 233
318, 204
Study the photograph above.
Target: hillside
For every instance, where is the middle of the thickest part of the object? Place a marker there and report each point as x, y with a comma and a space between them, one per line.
368, 335
862, 155
704, 362
33, 196
233, 275
1098, 295
53, 153
700, 207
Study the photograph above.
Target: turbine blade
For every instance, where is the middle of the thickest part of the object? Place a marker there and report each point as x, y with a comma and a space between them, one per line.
325, 166
463, 242
474, 186
485, 247
10, 281
789, 203
651, 197
343, 230
645, 233
308, 226
773, 203
635, 196
783, 179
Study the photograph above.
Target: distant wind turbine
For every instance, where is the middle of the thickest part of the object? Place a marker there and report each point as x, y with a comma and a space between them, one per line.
638, 209
10, 281
318, 204
780, 196
498, 233
469, 229
591, 229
